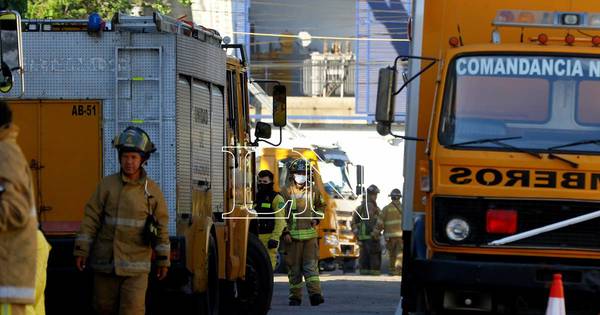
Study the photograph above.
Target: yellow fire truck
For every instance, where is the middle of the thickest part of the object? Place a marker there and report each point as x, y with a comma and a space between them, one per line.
502, 192
85, 82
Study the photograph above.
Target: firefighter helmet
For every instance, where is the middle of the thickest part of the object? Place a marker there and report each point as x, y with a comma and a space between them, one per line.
134, 139
396, 193
373, 189
298, 166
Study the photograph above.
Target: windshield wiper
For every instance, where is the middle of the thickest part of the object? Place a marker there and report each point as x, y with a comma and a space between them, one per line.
572, 144
484, 140
556, 157
497, 141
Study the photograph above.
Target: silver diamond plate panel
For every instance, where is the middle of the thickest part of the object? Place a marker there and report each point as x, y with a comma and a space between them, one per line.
169, 185
201, 131
217, 142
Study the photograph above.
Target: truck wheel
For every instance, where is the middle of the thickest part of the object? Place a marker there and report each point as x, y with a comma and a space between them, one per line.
327, 265
254, 293
208, 302
349, 265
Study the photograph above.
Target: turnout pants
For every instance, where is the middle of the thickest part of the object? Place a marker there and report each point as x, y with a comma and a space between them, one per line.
302, 260
370, 257
394, 247
264, 238
120, 295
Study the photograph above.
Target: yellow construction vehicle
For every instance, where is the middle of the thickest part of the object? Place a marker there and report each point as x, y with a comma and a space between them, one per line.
337, 173
503, 191
85, 82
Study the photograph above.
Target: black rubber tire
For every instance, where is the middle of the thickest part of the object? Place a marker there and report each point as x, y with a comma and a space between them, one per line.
327, 265
255, 292
208, 302
349, 265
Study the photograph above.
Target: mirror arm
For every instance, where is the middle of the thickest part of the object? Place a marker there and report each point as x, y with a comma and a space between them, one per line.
431, 63
257, 140
405, 137
237, 46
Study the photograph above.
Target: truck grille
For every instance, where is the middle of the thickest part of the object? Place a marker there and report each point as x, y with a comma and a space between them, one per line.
531, 214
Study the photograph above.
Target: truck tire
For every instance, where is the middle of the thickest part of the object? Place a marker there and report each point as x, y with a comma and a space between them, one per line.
254, 293
208, 302
349, 265
327, 265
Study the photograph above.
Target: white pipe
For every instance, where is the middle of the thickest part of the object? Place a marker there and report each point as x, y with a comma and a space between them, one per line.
547, 228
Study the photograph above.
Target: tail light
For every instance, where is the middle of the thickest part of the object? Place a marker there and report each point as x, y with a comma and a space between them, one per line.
501, 221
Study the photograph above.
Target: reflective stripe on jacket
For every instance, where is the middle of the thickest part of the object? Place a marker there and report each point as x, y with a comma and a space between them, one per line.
302, 214
18, 223
114, 222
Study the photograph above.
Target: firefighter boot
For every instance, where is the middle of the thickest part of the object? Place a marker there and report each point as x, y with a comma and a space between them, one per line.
295, 302
316, 299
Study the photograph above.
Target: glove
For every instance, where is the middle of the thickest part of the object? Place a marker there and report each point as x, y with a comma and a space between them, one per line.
272, 244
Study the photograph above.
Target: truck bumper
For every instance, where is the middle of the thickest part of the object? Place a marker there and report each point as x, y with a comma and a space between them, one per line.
499, 287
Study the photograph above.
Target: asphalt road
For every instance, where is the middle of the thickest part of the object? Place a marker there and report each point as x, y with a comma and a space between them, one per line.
348, 294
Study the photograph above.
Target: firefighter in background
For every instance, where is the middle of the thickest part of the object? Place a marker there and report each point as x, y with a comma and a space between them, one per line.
271, 214
304, 204
390, 222
18, 222
364, 229
125, 216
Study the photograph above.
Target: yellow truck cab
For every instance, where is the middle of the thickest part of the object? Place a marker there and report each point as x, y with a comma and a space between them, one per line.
502, 191
335, 170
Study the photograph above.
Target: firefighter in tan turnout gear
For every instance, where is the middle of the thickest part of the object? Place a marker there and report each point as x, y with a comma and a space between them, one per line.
364, 229
271, 220
18, 222
304, 204
390, 222
125, 217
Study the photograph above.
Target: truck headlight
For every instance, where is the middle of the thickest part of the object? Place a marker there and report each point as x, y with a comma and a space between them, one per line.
331, 240
457, 229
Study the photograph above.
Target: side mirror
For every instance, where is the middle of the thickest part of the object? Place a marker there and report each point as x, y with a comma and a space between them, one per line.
384, 112
360, 179
262, 130
11, 48
279, 106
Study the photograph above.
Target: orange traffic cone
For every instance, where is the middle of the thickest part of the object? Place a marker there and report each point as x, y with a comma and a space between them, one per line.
556, 302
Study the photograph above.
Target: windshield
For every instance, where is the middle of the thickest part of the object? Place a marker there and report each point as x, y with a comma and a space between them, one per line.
539, 102
335, 179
